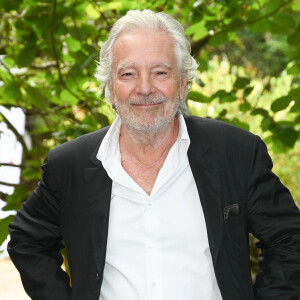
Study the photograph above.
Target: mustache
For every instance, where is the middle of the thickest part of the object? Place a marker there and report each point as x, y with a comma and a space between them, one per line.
147, 100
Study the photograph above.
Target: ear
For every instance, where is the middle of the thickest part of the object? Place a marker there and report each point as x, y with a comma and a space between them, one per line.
183, 85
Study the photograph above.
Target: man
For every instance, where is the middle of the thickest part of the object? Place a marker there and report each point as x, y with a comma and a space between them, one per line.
158, 206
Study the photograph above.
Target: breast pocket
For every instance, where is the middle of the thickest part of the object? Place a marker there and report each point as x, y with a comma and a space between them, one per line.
233, 220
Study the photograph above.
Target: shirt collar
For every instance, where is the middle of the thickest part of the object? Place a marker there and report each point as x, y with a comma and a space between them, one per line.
110, 144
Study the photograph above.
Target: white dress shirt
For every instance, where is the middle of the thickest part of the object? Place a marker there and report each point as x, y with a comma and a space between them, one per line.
157, 246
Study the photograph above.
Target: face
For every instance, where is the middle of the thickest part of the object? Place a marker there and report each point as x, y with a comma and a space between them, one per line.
145, 86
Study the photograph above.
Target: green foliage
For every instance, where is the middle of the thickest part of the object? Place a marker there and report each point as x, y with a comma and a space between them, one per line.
3, 227
249, 70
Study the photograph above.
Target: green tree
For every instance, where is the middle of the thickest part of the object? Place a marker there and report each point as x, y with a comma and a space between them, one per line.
249, 66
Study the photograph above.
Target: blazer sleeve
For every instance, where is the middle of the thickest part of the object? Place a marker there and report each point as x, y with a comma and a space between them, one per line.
274, 219
36, 242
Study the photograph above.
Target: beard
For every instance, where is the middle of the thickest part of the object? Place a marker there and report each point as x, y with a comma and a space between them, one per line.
147, 121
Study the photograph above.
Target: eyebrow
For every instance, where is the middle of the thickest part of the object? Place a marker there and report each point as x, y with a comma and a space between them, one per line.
125, 66
161, 64
133, 65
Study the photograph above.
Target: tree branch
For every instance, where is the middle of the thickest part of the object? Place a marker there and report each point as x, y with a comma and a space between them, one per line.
11, 165
55, 53
6, 68
9, 184
53, 42
198, 45
15, 131
242, 24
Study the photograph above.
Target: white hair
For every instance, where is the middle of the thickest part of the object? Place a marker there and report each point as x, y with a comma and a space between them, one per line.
147, 19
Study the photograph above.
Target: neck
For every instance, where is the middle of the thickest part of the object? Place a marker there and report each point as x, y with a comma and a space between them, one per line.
148, 148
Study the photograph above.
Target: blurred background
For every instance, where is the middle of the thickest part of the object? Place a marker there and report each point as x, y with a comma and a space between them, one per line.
249, 75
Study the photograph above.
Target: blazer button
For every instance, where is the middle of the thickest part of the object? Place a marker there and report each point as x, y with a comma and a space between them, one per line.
98, 277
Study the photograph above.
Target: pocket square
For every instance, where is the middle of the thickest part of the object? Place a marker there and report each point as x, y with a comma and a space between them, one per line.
231, 211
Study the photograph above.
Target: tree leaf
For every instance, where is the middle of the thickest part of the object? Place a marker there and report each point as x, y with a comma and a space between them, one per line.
198, 30
241, 82
203, 64
228, 98
198, 97
296, 5
275, 27
248, 90
260, 111
271, 6
294, 38
288, 136
9, 5
295, 94
12, 91
90, 59
218, 39
68, 98
296, 107
244, 106
73, 44
242, 125
9, 62
293, 69
266, 123
252, 14
5, 76
260, 26
297, 119
38, 97
219, 93
4, 227
20, 194
25, 57
281, 103
285, 20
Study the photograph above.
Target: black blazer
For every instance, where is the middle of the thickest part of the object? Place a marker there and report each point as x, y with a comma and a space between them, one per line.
238, 192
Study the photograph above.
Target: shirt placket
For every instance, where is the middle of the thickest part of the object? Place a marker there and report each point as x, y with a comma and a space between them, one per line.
152, 253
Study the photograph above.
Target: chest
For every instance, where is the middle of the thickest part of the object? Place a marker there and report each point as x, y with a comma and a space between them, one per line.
144, 175
151, 239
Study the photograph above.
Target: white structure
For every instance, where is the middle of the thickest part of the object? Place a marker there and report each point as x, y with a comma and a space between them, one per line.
10, 153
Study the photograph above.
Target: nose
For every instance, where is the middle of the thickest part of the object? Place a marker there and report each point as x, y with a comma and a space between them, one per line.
145, 85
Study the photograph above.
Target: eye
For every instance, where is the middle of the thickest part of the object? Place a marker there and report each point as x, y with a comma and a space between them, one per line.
126, 74
160, 74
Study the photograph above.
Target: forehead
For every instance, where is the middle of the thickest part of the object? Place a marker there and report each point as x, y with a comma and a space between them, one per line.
142, 47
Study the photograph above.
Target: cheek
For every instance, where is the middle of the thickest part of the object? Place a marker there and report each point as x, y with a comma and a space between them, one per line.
168, 89
123, 90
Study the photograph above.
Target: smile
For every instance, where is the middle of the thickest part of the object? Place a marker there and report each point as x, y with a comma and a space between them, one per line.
147, 104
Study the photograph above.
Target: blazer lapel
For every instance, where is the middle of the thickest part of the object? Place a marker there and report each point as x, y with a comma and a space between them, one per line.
205, 169
98, 186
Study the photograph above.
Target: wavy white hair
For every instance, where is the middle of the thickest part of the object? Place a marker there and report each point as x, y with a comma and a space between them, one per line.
147, 19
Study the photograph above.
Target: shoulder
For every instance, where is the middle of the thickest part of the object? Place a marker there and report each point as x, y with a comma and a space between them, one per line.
80, 149
217, 132
213, 126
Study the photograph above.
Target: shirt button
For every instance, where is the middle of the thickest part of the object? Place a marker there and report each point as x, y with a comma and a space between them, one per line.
149, 206
153, 284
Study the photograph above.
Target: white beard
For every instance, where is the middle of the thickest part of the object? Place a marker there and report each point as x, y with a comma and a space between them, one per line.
139, 123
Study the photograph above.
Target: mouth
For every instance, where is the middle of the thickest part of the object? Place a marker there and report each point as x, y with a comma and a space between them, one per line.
147, 104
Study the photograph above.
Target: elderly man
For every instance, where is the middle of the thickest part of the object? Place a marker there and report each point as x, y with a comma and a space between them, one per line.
159, 205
